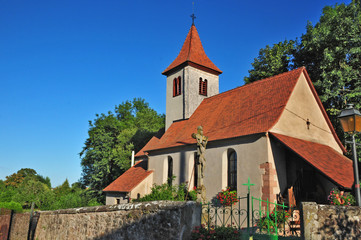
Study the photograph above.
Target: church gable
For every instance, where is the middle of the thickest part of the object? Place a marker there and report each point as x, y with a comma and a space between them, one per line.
304, 117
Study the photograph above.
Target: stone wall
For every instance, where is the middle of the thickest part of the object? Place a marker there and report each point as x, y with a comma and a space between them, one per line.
20, 226
330, 222
4, 224
150, 220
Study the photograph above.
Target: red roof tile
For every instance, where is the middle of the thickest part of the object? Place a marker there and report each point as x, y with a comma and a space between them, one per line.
130, 179
250, 109
150, 144
324, 158
192, 53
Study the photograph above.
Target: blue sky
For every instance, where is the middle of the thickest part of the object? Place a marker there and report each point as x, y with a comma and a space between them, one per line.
61, 62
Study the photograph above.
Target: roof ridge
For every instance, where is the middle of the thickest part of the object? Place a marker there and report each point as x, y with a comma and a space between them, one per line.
257, 82
190, 43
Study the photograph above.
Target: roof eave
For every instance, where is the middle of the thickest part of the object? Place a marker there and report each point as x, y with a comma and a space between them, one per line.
193, 64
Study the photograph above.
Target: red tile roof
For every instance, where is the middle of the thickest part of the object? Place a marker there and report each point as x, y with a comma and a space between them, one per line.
334, 165
250, 109
130, 179
192, 53
150, 144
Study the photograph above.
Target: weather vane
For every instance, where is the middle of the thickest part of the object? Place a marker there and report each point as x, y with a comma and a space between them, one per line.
193, 16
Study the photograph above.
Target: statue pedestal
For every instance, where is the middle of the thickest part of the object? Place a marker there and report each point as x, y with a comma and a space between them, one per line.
201, 194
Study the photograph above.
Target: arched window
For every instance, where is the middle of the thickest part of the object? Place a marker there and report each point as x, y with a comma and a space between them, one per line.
203, 86
170, 170
232, 169
177, 86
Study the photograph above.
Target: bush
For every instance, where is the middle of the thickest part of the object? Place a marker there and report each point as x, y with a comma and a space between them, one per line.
227, 197
12, 206
281, 216
341, 198
200, 232
168, 192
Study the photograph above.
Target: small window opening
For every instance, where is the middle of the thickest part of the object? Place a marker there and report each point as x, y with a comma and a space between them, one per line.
203, 87
177, 86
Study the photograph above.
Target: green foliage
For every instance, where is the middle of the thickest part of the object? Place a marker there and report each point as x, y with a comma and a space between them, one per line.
35, 188
31, 190
227, 197
331, 52
279, 217
168, 192
112, 137
341, 198
272, 61
192, 195
164, 192
215, 232
12, 206
62, 189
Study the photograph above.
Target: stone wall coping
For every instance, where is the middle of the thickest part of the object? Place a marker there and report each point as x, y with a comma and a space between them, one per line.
153, 206
322, 206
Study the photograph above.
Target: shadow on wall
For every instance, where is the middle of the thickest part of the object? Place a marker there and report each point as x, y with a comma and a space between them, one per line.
323, 222
336, 225
160, 225
148, 220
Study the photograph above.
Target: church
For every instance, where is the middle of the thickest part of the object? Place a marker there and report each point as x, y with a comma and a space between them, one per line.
274, 131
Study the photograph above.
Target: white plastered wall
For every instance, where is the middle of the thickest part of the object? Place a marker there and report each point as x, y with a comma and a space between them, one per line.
301, 106
143, 188
183, 106
251, 152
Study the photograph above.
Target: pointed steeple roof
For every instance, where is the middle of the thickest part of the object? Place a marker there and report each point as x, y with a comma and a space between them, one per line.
192, 53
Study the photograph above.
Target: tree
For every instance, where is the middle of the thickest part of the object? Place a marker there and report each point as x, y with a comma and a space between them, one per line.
62, 189
31, 190
272, 61
112, 137
331, 52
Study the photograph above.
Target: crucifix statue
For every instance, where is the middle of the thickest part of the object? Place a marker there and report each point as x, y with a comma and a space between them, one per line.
201, 162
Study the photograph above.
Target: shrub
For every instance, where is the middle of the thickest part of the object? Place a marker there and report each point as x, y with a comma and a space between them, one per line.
218, 232
167, 192
341, 198
12, 206
270, 221
192, 195
227, 197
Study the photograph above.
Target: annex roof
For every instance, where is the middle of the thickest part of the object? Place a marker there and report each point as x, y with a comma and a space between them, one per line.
130, 179
331, 163
192, 53
150, 144
250, 109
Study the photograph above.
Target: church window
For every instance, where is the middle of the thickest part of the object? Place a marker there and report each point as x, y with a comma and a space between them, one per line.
203, 86
170, 170
177, 86
232, 170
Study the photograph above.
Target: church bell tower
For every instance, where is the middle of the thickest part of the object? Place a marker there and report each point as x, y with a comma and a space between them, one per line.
191, 77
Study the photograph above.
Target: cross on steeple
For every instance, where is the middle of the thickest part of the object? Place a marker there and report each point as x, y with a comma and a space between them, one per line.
193, 17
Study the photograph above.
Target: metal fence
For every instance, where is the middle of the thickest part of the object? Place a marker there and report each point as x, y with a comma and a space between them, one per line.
275, 219
253, 216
